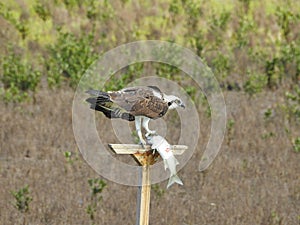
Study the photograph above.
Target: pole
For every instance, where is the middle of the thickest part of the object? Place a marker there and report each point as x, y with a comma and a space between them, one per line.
145, 158
144, 191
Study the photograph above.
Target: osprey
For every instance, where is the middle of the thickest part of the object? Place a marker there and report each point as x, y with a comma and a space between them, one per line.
139, 104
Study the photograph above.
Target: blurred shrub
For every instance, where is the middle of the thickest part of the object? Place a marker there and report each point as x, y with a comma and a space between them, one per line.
158, 190
22, 199
224, 34
70, 4
96, 187
191, 91
268, 114
221, 65
217, 25
198, 41
175, 7
245, 5
69, 58
166, 70
42, 10
193, 12
285, 65
230, 130
296, 144
95, 10
125, 76
293, 102
274, 70
18, 77
15, 19
285, 19
255, 83
290, 58
246, 27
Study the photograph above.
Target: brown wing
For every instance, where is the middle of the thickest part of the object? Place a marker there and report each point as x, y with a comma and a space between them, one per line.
140, 101
151, 107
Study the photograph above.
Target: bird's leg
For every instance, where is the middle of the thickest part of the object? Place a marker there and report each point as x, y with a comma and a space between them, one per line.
138, 123
146, 126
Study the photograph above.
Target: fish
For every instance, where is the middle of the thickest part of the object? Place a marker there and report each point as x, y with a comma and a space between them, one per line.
161, 145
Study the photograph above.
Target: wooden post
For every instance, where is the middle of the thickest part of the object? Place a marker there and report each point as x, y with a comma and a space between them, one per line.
143, 201
145, 158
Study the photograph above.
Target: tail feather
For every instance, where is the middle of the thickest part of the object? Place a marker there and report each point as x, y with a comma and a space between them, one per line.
174, 179
96, 93
98, 96
92, 100
101, 102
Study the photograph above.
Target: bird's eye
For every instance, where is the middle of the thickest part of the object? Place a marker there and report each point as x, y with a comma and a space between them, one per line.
177, 101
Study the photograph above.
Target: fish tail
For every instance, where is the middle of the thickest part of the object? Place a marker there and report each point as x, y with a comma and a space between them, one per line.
174, 179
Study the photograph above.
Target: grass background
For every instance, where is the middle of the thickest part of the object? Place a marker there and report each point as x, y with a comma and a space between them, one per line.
253, 48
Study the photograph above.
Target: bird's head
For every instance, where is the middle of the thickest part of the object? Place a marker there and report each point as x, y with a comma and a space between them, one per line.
174, 102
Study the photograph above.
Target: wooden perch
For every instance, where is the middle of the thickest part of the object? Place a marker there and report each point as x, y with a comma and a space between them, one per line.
132, 148
145, 157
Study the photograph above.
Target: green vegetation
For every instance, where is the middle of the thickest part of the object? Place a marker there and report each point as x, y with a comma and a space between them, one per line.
18, 77
22, 199
70, 156
20, 24
267, 135
268, 114
96, 187
158, 190
165, 70
293, 102
230, 43
42, 10
275, 218
255, 83
69, 58
230, 130
296, 144
126, 75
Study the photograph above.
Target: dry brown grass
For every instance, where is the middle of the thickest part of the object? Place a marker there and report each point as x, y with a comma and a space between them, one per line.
252, 181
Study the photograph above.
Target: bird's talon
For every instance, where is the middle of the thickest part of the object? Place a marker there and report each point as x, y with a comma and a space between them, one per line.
143, 143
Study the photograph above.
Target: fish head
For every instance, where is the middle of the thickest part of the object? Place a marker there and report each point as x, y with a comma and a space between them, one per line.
155, 141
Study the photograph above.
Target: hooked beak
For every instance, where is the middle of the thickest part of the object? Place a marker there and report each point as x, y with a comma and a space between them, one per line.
182, 105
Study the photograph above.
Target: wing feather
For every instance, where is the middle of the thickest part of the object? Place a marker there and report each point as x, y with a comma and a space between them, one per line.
141, 101
155, 88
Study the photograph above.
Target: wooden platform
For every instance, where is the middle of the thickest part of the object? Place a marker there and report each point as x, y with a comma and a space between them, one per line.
133, 148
